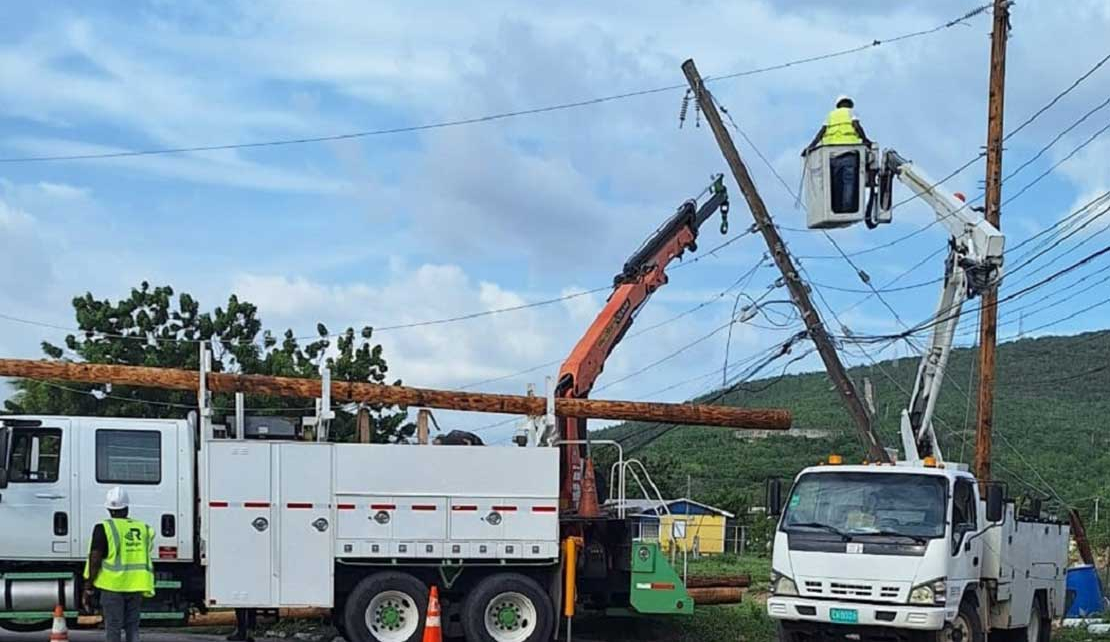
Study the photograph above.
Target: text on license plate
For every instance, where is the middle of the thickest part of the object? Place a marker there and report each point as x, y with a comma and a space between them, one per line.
845, 616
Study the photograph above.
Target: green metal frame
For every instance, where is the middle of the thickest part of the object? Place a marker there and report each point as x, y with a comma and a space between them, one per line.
656, 587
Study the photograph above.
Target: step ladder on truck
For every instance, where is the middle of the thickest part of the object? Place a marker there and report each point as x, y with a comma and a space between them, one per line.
917, 549
249, 513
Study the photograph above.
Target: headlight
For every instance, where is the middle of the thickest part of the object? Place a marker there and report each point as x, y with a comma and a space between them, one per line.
782, 585
932, 593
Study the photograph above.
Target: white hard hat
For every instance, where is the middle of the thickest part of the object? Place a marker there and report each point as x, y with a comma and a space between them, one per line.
117, 499
842, 97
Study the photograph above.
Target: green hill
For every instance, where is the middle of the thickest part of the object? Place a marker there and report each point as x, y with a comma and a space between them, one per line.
1052, 412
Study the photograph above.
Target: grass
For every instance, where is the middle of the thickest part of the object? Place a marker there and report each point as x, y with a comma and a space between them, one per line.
747, 621
759, 568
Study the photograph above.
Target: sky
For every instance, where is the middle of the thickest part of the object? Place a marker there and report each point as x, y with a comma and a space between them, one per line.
401, 228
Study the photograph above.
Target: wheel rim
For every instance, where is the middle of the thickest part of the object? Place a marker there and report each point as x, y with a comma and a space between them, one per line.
1033, 632
960, 631
510, 617
392, 616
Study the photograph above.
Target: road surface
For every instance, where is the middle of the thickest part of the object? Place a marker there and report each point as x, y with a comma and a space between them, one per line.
98, 636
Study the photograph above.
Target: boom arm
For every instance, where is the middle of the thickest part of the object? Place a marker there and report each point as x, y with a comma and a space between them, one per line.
974, 264
643, 274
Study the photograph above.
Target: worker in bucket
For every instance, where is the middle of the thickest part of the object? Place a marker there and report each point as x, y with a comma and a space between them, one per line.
119, 566
842, 128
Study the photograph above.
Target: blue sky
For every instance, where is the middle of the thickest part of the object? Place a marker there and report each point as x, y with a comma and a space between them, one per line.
401, 228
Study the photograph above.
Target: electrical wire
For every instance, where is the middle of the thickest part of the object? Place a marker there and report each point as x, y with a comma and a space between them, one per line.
497, 116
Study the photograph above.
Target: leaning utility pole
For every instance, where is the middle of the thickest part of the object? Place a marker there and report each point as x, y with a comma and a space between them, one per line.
988, 325
798, 289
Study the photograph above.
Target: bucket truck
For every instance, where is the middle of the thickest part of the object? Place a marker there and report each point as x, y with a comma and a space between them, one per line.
918, 549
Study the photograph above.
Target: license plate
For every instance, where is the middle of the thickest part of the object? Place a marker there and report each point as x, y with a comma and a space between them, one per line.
844, 616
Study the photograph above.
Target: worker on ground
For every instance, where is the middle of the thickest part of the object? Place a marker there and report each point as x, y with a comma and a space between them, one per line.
842, 128
119, 566
245, 621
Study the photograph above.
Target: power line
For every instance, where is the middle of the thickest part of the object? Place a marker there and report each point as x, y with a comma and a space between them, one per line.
497, 116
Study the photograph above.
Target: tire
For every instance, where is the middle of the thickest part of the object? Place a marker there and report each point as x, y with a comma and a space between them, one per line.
386, 607
1040, 624
967, 627
508, 607
26, 626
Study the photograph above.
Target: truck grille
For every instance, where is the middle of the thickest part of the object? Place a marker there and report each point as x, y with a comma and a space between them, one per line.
851, 590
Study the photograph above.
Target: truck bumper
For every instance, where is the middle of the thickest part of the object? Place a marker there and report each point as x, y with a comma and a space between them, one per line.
900, 616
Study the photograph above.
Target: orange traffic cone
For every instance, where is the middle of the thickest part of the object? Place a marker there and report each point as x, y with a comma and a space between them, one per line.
433, 628
60, 630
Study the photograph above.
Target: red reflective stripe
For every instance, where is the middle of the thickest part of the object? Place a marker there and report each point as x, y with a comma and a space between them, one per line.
346, 506
544, 509
298, 505
424, 507
505, 509
662, 586
217, 504
382, 507
464, 508
256, 504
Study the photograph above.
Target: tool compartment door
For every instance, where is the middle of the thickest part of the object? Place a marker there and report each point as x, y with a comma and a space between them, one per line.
241, 524
306, 563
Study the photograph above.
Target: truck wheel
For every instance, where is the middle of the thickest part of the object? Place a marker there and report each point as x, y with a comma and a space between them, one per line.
26, 626
1040, 625
508, 607
965, 628
386, 607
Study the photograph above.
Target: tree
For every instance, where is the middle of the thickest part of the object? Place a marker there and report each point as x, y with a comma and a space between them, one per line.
152, 328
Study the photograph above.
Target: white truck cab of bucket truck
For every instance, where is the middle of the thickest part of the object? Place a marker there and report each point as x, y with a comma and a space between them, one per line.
911, 550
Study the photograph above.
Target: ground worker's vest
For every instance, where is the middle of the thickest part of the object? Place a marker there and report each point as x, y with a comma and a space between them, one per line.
839, 129
127, 567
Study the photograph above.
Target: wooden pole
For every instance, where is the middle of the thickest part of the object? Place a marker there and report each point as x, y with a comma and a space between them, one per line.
988, 325
699, 415
1079, 534
422, 417
798, 291
362, 425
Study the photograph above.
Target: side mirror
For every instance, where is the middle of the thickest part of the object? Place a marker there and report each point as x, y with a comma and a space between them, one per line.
774, 497
3, 478
996, 499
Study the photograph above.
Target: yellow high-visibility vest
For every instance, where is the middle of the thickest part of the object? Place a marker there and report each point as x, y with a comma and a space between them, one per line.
839, 129
127, 568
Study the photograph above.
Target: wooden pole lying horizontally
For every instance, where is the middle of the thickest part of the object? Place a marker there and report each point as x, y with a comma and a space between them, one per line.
702, 415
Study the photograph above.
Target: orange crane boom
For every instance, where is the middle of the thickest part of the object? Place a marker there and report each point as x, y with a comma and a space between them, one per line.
643, 274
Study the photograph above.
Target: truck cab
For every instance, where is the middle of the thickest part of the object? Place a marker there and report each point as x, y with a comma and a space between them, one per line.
874, 550
54, 474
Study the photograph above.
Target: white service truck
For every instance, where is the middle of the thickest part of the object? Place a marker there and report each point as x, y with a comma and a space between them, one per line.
271, 523
264, 519
919, 548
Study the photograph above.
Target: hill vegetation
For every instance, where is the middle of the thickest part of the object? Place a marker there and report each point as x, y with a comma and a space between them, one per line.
1052, 412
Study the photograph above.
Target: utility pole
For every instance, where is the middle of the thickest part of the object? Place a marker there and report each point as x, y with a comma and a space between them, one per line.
798, 290
988, 325
371, 393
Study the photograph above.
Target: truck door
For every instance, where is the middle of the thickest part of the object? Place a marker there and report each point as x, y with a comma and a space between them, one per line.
141, 457
967, 553
306, 561
37, 506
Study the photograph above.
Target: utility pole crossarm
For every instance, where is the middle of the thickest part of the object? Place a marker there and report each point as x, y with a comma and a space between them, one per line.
798, 290
168, 378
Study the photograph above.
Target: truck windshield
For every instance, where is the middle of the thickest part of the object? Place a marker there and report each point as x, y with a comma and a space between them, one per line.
850, 504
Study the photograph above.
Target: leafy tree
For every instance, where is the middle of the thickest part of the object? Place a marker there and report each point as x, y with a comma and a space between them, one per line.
153, 328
